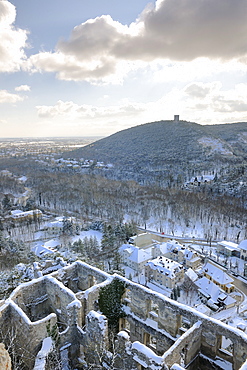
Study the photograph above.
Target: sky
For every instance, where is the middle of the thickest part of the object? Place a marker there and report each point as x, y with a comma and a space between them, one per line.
92, 68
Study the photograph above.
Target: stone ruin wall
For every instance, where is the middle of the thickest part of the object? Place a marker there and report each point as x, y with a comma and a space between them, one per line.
148, 314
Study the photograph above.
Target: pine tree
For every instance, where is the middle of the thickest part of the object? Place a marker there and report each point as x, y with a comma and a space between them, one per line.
110, 303
6, 202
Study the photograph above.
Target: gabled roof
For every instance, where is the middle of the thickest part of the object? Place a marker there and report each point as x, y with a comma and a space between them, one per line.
209, 289
191, 274
243, 245
165, 265
139, 255
217, 274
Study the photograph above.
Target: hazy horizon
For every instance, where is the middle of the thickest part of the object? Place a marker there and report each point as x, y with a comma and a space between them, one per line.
96, 68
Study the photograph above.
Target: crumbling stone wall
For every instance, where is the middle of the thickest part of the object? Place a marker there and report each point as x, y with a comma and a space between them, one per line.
186, 348
26, 335
149, 316
5, 361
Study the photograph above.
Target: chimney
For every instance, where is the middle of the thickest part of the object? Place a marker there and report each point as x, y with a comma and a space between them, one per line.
176, 118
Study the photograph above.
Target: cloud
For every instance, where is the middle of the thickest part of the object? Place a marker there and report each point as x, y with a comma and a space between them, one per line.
70, 110
199, 90
22, 88
199, 102
13, 40
209, 103
172, 29
6, 97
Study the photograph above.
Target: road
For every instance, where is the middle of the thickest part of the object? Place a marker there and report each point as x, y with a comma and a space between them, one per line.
240, 283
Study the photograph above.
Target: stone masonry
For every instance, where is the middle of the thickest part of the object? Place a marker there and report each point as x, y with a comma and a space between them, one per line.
156, 332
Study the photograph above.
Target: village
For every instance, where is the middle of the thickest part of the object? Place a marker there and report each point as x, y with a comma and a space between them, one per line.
209, 277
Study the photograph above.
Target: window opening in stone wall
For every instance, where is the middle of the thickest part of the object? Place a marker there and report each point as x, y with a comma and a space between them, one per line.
146, 339
153, 342
124, 325
58, 301
127, 297
91, 281
226, 345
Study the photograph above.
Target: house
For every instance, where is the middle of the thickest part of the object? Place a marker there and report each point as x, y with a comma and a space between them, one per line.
54, 227
142, 240
228, 249
18, 215
48, 247
186, 256
164, 271
212, 295
134, 257
218, 276
6, 173
243, 249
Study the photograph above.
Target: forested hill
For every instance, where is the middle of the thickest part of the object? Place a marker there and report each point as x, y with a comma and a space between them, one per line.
167, 142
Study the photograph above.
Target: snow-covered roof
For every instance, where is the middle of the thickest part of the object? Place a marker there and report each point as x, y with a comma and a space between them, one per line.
52, 243
127, 247
22, 178
165, 266
203, 309
41, 250
139, 255
173, 245
229, 245
229, 300
208, 289
243, 245
162, 247
16, 211
19, 214
217, 274
191, 274
58, 222
188, 253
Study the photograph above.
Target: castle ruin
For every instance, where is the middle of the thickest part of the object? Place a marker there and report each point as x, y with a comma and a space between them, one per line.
155, 333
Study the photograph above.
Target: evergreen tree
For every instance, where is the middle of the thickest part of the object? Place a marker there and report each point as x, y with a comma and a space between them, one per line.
174, 293
178, 290
6, 202
110, 303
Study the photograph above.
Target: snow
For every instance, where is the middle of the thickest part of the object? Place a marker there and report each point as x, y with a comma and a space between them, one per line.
203, 309
25, 318
191, 274
220, 362
182, 338
88, 234
102, 321
22, 178
209, 289
177, 367
217, 274
95, 287
215, 145
182, 307
243, 245
53, 243
40, 249
16, 212
165, 265
229, 245
124, 335
75, 304
47, 347
147, 352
